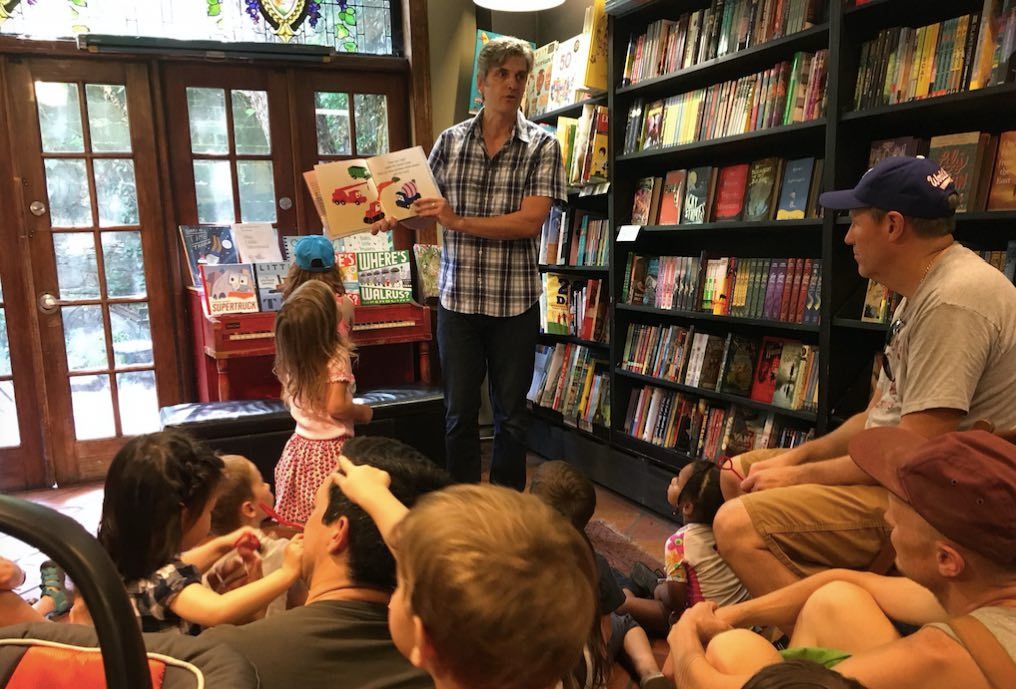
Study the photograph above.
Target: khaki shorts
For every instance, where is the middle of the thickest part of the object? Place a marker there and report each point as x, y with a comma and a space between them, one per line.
811, 528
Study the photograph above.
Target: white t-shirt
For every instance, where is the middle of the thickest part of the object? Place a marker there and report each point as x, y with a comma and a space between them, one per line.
955, 345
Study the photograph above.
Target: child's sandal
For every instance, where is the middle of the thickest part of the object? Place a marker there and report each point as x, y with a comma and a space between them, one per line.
54, 585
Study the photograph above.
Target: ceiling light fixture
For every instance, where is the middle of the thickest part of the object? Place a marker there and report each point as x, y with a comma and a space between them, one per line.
518, 5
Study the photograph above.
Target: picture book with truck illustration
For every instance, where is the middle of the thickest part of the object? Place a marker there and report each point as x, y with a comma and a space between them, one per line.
354, 194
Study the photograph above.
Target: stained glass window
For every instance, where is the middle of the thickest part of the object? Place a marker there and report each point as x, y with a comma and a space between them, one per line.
348, 26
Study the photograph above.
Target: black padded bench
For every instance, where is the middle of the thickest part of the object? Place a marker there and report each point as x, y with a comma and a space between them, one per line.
259, 429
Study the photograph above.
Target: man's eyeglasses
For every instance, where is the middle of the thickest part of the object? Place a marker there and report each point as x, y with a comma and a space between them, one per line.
890, 334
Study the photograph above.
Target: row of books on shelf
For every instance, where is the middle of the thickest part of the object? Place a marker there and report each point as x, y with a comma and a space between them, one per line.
964, 53
982, 164
577, 308
702, 429
584, 145
565, 72
370, 278
570, 379
776, 289
574, 237
766, 189
788, 93
880, 302
774, 370
725, 27
241, 268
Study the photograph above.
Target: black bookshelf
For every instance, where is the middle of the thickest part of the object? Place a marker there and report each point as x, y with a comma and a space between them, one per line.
572, 110
748, 144
718, 396
554, 337
841, 138
958, 105
857, 324
703, 316
575, 270
731, 226
759, 57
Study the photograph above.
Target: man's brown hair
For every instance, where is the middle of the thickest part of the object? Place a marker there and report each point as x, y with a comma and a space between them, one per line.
800, 674
567, 490
504, 585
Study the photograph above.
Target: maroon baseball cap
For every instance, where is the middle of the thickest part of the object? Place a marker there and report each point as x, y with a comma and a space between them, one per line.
962, 483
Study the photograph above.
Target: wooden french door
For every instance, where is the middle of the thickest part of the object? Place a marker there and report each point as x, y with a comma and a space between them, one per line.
91, 353
230, 144
242, 136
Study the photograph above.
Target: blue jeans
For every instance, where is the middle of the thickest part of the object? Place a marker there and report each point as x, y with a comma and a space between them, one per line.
470, 346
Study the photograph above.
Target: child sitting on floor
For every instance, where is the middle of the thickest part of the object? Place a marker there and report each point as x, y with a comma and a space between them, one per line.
313, 362
694, 570
157, 506
495, 589
568, 491
242, 493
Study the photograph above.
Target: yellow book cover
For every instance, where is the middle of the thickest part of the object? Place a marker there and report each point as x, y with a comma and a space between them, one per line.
596, 64
927, 61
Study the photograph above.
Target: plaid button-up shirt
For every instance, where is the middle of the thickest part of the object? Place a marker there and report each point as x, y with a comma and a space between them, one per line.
488, 276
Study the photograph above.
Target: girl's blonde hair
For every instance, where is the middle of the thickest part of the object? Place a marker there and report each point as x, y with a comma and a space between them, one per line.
306, 340
298, 276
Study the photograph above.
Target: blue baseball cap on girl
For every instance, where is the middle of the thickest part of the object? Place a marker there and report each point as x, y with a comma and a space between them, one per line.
314, 253
916, 187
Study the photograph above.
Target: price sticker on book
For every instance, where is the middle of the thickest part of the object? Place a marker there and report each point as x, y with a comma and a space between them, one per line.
628, 233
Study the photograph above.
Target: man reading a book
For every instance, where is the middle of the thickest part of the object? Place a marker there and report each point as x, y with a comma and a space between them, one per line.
950, 360
499, 175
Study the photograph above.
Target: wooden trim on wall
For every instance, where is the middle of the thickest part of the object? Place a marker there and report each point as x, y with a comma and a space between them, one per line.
340, 61
417, 34
418, 51
30, 464
171, 242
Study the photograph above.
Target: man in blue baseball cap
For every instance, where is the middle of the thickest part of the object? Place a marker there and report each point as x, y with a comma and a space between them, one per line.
950, 360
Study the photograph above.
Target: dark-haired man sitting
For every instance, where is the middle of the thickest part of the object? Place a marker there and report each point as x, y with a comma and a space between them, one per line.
339, 638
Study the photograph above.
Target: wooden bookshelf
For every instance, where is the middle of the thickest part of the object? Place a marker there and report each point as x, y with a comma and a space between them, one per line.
841, 138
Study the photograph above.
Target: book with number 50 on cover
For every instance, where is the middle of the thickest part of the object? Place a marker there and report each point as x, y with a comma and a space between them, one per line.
354, 194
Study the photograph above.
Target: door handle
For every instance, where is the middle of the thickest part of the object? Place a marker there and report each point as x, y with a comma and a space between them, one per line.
50, 304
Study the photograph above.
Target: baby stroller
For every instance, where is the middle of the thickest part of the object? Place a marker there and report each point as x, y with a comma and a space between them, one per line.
67, 656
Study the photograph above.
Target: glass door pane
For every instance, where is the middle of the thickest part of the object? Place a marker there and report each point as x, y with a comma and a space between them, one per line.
97, 248
10, 434
231, 151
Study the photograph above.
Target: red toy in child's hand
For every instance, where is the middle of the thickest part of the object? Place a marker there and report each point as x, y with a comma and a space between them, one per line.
267, 509
248, 541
